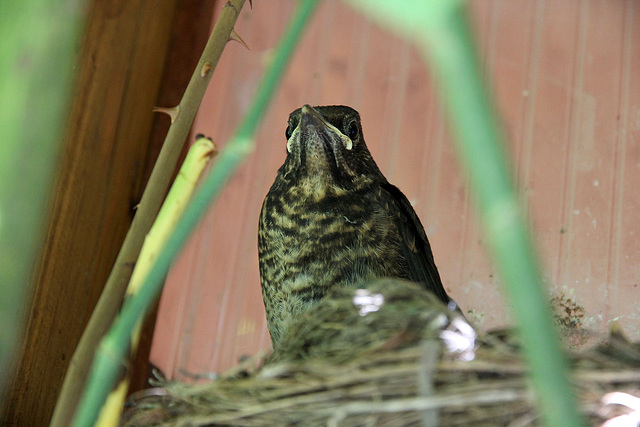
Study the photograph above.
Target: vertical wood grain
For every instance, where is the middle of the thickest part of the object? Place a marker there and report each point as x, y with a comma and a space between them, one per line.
561, 73
109, 151
624, 251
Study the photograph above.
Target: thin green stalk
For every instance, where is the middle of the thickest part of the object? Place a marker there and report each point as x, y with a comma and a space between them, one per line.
37, 41
442, 31
114, 346
110, 300
482, 152
183, 187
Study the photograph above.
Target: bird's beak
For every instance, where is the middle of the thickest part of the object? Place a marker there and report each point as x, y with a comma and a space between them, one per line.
310, 118
310, 115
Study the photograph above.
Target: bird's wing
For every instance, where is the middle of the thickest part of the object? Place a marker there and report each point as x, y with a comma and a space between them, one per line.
415, 245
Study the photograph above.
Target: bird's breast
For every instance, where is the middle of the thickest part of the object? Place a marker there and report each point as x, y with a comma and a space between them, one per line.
320, 243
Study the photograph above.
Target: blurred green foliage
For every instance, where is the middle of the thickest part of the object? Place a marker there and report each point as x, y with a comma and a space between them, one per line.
38, 41
442, 32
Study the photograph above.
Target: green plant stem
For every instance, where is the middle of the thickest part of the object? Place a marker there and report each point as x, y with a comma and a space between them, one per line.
172, 208
481, 150
442, 30
37, 41
114, 346
110, 300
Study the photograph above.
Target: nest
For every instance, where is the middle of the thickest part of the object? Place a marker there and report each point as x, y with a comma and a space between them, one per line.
387, 354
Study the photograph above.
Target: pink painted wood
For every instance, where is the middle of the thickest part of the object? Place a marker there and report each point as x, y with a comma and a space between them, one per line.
564, 76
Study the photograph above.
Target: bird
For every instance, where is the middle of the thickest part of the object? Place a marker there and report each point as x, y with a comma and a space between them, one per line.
332, 219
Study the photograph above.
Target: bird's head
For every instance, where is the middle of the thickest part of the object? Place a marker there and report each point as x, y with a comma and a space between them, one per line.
325, 146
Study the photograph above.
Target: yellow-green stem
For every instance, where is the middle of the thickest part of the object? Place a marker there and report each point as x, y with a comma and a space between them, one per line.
115, 344
181, 191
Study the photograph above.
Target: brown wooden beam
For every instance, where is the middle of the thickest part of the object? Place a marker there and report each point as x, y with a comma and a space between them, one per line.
112, 141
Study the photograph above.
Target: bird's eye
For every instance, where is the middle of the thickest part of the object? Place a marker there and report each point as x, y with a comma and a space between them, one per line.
352, 130
288, 132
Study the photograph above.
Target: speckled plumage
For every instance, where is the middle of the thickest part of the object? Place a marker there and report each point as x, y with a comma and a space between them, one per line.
331, 218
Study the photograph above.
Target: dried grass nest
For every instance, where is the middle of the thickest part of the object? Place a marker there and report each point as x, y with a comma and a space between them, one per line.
386, 354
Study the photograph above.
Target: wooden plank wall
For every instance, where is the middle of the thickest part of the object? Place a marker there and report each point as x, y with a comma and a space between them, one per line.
563, 73
136, 54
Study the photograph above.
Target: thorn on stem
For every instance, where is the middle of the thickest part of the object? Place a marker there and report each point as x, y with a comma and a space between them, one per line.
229, 4
206, 67
234, 36
172, 112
